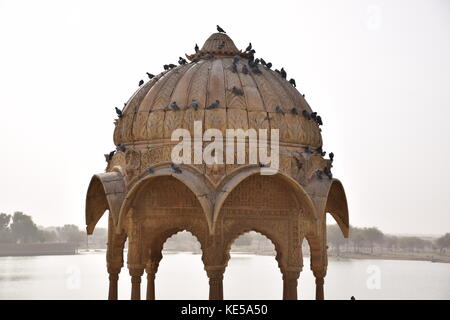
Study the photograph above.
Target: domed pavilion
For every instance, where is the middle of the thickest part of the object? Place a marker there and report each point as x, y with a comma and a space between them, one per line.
150, 199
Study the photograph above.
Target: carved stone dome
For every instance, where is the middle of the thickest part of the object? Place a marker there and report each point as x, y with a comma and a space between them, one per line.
148, 117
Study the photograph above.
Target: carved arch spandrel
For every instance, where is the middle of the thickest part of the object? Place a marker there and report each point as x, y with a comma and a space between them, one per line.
227, 186
106, 191
192, 180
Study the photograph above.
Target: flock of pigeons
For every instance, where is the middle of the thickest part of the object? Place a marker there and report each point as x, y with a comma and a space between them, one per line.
253, 66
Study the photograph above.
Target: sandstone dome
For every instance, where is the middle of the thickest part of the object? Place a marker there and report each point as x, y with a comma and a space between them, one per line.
208, 77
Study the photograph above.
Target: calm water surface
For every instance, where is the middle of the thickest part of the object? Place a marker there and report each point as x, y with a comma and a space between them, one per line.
181, 276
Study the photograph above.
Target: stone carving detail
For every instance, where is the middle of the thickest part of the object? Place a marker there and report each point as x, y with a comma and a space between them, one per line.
217, 202
132, 162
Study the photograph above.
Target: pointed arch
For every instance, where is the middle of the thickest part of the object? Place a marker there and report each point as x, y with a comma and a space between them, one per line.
230, 184
191, 179
337, 206
106, 191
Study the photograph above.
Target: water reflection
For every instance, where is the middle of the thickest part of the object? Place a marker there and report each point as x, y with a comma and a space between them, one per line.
182, 276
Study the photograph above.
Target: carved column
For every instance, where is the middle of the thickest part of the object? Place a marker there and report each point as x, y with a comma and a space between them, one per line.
113, 279
151, 269
290, 281
320, 280
114, 257
136, 283
215, 275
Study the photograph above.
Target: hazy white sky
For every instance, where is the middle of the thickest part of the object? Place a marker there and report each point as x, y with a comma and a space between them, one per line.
377, 71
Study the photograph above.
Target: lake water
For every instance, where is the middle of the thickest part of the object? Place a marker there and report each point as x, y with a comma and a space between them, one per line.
181, 276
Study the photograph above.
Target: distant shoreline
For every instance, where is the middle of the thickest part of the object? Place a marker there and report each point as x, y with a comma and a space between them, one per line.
54, 249
408, 256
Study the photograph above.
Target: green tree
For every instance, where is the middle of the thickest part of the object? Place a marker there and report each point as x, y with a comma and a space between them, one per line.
357, 238
4, 221
71, 233
335, 237
5, 231
443, 242
23, 229
373, 236
413, 243
391, 242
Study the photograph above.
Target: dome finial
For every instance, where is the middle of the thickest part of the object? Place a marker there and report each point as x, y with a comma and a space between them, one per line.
218, 44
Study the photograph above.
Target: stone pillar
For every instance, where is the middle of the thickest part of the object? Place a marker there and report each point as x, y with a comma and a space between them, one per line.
113, 278
290, 285
136, 283
215, 275
320, 276
151, 269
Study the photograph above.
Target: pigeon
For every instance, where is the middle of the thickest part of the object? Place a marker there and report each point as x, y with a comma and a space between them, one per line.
236, 58
174, 106
254, 68
278, 109
121, 147
119, 112
319, 174
175, 168
303, 95
208, 56
150, 76
319, 120
150, 170
220, 29
277, 71
213, 105
194, 105
294, 110
328, 173
171, 66
166, 67
182, 61
292, 81
237, 91
306, 115
314, 116
251, 57
283, 73
196, 48
262, 61
109, 156
196, 59
352, 298
308, 149
331, 155
233, 68
261, 165
221, 45
141, 82
257, 60
249, 47
321, 152
244, 69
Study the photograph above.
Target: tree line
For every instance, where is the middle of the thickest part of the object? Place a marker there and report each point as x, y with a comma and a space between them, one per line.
371, 239
20, 228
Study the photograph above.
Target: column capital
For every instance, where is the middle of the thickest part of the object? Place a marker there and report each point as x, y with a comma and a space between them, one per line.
215, 272
319, 272
134, 272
